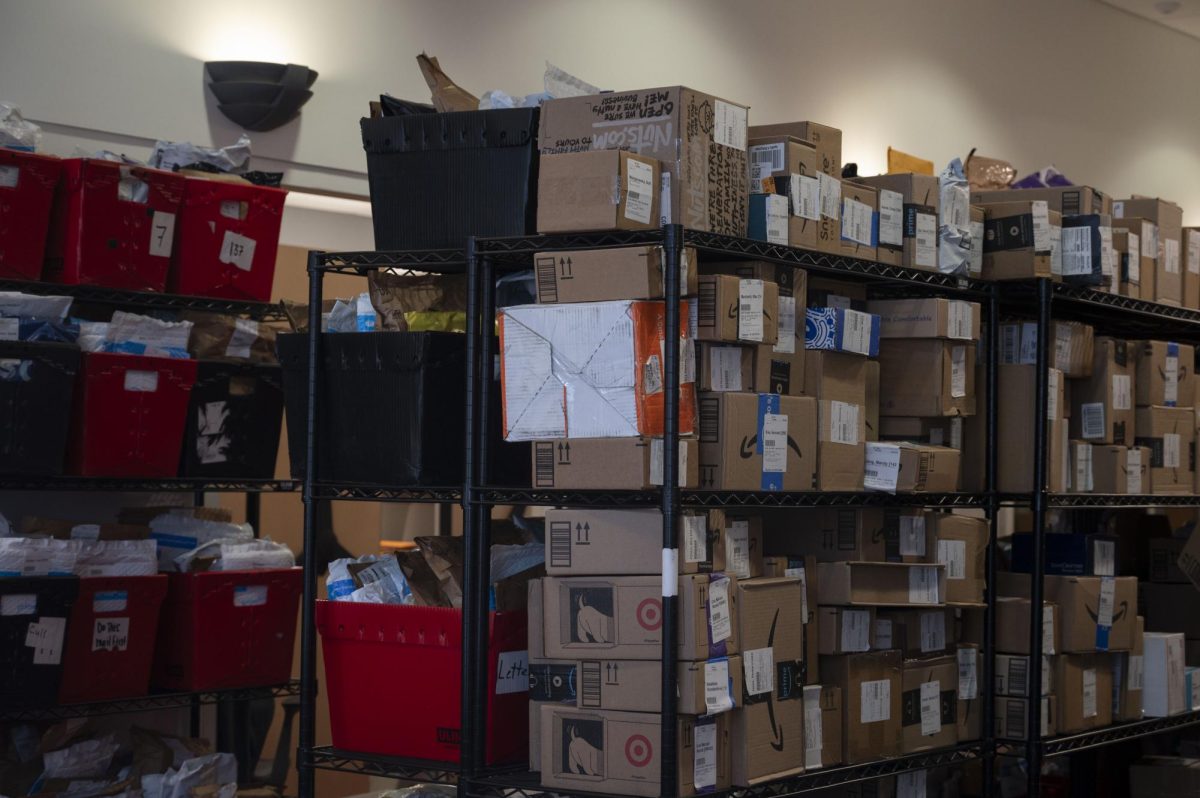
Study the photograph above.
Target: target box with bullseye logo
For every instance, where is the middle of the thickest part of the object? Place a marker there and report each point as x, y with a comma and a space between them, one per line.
620, 752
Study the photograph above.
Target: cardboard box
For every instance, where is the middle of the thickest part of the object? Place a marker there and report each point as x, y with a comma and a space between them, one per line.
768, 732
880, 584
768, 218
1080, 609
740, 438
636, 685
610, 463
601, 275
1069, 554
1163, 373
1170, 608
1016, 240
1102, 405
725, 367
1012, 675
1118, 470
1164, 777
1142, 234
827, 141
825, 292
1170, 435
841, 330
619, 752
1084, 689
1128, 247
961, 546
1015, 455
1084, 243
846, 630
927, 318
1189, 559
804, 569
1163, 690
584, 371
1164, 561
911, 468
916, 633
793, 166
1012, 626
969, 716
908, 219
843, 534
1169, 218
778, 373
1072, 347
597, 190
620, 617
1080, 474
1012, 717
1190, 253
860, 220
836, 377
927, 377
735, 310
871, 407
822, 726
871, 697
740, 537
1067, 200
933, 431
583, 542
705, 163
841, 442
978, 229
1129, 676
929, 704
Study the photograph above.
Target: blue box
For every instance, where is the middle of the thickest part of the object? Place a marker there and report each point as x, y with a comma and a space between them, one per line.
842, 330
759, 212
1067, 554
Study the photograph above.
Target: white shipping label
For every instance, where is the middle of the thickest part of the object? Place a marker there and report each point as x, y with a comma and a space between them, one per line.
1104, 558
838, 301
1048, 630
1076, 251
237, 250
10, 329
112, 634
960, 320
512, 672
759, 666
856, 631
831, 195
922, 584
1104, 613
1193, 253
953, 555
652, 375
249, 595
1171, 380
857, 222
664, 202
912, 536
856, 337
1056, 258
806, 197
1089, 692
704, 755
141, 381
931, 708
639, 191
813, 732
695, 538
737, 548
975, 266
1133, 471
1062, 347
725, 368
803, 577
1041, 226
912, 784
1118, 210
956, 432
1052, 377
1171, 255
1137, 672
1108, 258
729, 125
1133, 258
750, 310
162, 234
843, 423
883, 634
958, 372
777, 219
891, 217
18, 604
716, 686
1170, 450
245, 333
933, 631
925, 254
875, 701
774, 442
1122, 396
1084, 475
9, 176
719, 620
786, 343
1149, 240
968, 674
881, 468
687, 360
45, 637
656, 462
1092, 422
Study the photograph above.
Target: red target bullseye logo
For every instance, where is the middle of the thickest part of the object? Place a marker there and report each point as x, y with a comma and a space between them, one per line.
649, 614
638, 750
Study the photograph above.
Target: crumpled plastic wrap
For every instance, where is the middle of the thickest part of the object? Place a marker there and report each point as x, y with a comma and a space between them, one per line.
351, 315
16, 131
954, 220
1048, 177
179, 531
172, 155
508, 561
213, 770
37, 557
15, 305
134, 334
988, 174
116, 558
410, 303
84, 759
237, 555
382, 583
340, 582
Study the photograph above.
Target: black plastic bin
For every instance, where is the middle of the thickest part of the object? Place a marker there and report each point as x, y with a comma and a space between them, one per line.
393, 410
29, 675
37, 383
235, 414
437, 178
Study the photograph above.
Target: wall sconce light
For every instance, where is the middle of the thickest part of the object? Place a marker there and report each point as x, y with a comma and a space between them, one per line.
257, 95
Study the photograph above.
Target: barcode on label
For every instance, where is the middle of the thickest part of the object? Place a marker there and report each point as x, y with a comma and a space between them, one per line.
770, 155
706, 305
590, 687
1018, 676
1014, 719
547, 279
543, 464
560, 544
1093, 420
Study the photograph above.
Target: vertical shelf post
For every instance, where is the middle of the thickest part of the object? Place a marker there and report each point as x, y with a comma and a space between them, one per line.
672, 253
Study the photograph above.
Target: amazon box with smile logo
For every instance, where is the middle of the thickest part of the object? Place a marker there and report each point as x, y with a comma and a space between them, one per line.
762, 441
620, 617
768, 732
1095, 613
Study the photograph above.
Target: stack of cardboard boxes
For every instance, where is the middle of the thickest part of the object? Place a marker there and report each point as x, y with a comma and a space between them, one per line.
1168, 600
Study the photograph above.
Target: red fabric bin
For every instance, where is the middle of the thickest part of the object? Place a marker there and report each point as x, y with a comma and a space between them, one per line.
228, 239
393, 677
114, 225
129, 415
27, 183
222, 629
110, 638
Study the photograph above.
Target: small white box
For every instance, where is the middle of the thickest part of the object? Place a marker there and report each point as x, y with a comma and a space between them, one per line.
1164, 690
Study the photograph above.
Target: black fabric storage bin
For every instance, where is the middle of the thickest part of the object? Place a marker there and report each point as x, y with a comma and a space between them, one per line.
437, 178
27, 600
235, 413
393, 410
37, 383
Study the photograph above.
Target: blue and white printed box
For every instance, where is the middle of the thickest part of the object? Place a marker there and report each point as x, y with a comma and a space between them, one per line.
842, 330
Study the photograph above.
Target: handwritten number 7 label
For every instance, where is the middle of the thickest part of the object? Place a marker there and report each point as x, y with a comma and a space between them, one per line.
162, 234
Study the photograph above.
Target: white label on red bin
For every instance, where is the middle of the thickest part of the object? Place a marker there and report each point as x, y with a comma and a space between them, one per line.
110, 601
162, 234
141, 381
249, 595
110, 634
9, 176
237, 250
45, 637
512, 672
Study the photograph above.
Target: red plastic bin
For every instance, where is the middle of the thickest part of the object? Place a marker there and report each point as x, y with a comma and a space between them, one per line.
129, 415
228, 240
27, 183
393, 677
222, 629
110, 638
114, 225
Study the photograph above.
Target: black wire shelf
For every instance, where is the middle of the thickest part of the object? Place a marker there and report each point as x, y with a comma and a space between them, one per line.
439, 261
1104, 500
147, 300
148, 485
724, 498
394, 767
146, 703
1109, 313
1098, 738
385, 493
